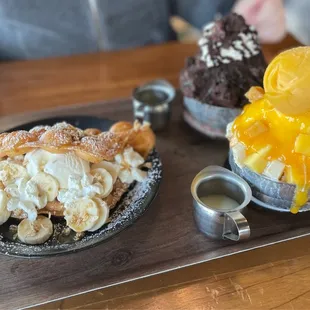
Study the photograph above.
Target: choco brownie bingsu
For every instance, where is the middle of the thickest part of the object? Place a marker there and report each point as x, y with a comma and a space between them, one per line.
215, 80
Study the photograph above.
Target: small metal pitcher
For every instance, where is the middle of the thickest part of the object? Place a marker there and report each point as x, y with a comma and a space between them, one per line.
152, 103
216, 223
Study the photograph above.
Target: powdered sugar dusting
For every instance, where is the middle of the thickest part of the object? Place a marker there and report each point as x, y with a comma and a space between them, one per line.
15, 138
130, 207
91, 143
62, 133
75, 132
105, 145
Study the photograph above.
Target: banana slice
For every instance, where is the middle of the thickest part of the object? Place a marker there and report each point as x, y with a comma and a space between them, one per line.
35, 232
112, 168
81, 214
4, 213
46, 184
103, 177
10, 171
36, 160
103, 214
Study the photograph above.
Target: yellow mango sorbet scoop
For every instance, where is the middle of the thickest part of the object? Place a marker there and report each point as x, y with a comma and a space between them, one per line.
287, 81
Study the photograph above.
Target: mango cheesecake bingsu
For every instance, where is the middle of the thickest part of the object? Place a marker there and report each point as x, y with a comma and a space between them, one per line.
272, 135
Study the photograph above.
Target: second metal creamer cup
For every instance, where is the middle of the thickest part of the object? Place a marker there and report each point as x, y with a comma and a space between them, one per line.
216, 223
152, 103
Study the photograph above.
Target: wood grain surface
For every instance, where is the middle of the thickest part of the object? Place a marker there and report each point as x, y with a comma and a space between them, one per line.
251, 280
165, 238
269, 286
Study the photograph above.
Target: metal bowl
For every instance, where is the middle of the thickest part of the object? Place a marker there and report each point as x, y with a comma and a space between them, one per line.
211, 118
267, 193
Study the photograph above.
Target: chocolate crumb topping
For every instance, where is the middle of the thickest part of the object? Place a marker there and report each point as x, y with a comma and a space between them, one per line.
229, 62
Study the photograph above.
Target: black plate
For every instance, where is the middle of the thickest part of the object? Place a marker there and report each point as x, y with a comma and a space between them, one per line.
128, 210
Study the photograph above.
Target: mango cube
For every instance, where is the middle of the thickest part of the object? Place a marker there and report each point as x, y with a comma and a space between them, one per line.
255, 93
256, 129
302, 144
257, 161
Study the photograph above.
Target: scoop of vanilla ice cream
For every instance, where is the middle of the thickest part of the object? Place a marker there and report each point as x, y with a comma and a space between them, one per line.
61, 166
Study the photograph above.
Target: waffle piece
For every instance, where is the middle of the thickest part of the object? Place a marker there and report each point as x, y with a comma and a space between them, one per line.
63, 138
15, 143
58, 138
54, 208
101, 147
141, 138
118, 191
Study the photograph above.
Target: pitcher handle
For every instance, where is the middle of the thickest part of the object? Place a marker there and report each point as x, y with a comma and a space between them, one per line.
239, 222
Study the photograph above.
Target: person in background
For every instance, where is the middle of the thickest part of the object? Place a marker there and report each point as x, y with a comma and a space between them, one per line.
32, 29
268, 17
273, 19
42, 28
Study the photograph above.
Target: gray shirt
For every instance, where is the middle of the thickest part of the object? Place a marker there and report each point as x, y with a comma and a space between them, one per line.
42, 28
297, 19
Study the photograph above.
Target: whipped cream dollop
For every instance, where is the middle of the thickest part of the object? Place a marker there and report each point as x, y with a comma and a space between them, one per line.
25, 195
60, 166
80, 187
129, 163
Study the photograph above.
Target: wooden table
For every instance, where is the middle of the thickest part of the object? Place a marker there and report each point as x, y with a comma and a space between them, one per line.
265, 278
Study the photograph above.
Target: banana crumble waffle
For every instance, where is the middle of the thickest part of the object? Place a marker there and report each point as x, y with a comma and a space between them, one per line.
62, 171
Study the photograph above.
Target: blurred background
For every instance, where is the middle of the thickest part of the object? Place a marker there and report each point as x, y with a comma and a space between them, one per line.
31, 29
